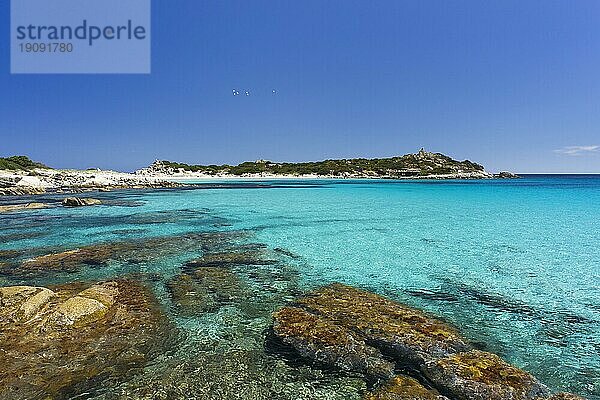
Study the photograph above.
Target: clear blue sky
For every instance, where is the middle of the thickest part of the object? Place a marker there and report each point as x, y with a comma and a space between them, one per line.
511, 84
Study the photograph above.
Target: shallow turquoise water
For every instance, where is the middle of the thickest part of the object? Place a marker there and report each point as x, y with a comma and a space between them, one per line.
515, 264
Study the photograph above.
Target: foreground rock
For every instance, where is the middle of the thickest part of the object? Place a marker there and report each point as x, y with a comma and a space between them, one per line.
404, 388
329, 344
22, 207
480, 375
406, 333
65, 340
348, 329
80, 202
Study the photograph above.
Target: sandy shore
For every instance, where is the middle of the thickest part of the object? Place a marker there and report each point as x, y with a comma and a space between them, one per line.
191, 177
41, 181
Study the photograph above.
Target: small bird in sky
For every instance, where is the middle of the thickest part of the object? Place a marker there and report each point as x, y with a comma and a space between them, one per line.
236, 92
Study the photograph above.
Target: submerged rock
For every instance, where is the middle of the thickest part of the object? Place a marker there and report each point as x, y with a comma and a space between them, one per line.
478, 375
22, 207
404, 388
348, 329
223, 259
206, 289
70, 260
10, 254
343, 327
565, 396
223, 283
409, 335
133, 251
80, 202
327, 343
189, 297
65, 340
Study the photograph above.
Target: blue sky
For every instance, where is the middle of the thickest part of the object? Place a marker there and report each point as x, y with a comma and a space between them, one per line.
510, 84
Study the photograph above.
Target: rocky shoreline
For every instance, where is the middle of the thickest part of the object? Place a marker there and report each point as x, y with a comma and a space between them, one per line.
34, 178
421, 165
41, 181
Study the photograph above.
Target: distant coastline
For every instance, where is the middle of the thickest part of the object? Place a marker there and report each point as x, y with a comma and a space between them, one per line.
21, 176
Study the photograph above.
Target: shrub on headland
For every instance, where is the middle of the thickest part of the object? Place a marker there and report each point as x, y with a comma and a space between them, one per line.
23, 163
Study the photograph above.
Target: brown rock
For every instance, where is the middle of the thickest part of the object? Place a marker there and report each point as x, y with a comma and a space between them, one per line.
565, 396
76, 338
35, 303
412, 336
329, 344
344, 327
78, 311
145, 250
478, 375
80, 202
223, 259
70, 260
189, 297
404, 388
22, 207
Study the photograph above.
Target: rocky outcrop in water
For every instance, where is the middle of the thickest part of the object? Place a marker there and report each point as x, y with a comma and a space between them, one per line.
61, 340
506, 175
80, 202
478, 375
22, 207
404, 388
348, 329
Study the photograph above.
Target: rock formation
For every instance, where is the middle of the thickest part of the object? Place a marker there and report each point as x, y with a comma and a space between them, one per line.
65, 339
22, 207
352, 330
80, 202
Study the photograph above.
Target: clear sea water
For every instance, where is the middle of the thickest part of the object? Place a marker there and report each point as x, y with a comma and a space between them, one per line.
514, 264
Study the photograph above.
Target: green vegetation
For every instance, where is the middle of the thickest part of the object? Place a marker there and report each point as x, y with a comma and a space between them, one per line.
19, 163
420, 164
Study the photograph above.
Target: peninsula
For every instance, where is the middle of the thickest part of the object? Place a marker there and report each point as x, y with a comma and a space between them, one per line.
422, 165
21, 176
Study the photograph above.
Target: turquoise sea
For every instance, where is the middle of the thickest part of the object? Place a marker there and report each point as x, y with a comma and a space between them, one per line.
514, 264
